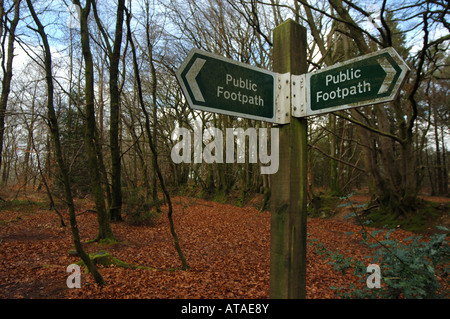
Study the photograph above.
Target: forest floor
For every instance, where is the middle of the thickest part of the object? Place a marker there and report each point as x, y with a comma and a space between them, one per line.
226, 247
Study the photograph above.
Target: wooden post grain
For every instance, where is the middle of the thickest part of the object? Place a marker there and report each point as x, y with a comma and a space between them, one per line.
289, 184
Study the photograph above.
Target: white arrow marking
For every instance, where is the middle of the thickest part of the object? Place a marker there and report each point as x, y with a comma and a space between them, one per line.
390, 73
190, 77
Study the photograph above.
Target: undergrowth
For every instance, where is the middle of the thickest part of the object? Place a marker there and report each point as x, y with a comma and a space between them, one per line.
412, 268
139, 210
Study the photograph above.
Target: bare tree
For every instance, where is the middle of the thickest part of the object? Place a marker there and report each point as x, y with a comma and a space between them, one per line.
54, 129
9, 32
91, 135
113, 52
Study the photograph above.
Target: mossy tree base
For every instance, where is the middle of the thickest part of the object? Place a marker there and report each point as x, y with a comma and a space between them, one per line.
106, 259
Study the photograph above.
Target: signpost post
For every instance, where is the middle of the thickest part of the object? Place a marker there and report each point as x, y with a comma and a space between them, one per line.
288, 186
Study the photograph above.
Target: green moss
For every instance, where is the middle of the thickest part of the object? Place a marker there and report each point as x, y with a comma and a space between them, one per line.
220, 197
109, 241
241, 199
323, 206
22, 206
106, 259
4, 222
140, 210
203, 194
420, 220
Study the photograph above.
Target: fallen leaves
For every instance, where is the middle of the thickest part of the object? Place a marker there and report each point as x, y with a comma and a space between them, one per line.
228, 249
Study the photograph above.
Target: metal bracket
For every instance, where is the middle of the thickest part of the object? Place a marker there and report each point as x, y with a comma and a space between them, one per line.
298, 91
283, 99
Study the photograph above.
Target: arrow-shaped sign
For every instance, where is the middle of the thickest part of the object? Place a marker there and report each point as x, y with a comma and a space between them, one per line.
191, 76
365, 80
216, 84
390, 71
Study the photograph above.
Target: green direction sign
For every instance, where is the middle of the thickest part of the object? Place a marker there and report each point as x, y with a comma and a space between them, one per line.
216, 84
369, 79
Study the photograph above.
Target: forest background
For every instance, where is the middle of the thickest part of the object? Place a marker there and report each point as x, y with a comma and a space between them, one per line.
89, 102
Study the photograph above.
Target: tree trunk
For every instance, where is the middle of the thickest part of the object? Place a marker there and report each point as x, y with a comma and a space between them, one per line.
116, 183
155, 122
7, 75
444, 164
54, 129
440, 181
334, 179
105, 231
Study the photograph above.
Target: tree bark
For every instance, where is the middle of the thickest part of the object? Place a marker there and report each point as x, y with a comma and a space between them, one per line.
114, 92
116, 183
103, 217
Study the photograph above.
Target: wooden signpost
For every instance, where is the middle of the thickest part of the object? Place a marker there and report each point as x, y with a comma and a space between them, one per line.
288, 185
287, 96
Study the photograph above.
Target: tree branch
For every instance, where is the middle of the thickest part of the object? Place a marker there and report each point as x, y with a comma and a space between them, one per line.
335, 158
417, 81
370, 128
